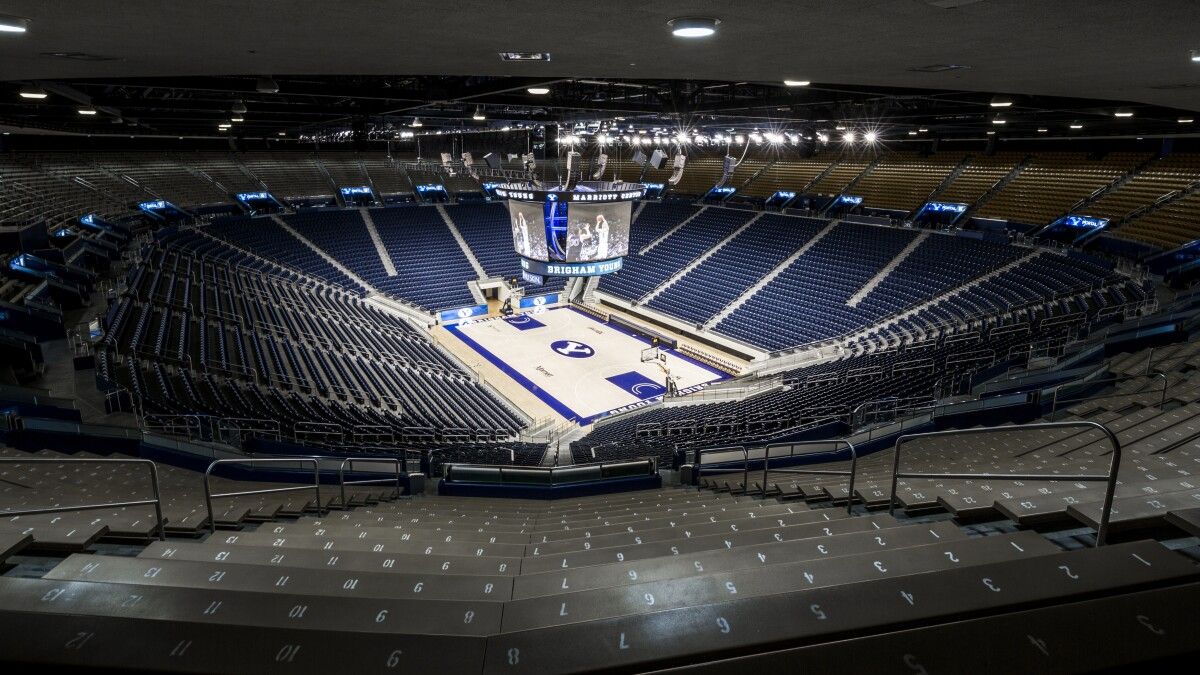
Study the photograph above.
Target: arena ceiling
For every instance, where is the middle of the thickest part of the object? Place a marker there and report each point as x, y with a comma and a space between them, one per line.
176, 68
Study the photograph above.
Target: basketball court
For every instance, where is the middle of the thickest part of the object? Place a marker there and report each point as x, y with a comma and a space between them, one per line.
582, 368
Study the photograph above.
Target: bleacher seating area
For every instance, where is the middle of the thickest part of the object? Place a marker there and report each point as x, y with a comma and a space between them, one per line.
204, 329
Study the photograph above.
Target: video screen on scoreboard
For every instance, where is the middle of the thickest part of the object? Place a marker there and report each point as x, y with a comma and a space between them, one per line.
593, 232
528, 229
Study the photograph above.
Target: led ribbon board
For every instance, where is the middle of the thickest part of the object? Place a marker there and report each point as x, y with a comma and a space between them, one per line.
853, 200
1084, 222
944, 207
356, 191
571, 269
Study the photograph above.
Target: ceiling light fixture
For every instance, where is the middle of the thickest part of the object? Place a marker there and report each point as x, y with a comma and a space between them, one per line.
1042, 130
693, 26
870, 136
266, 85
238, 107
417, 122
912, 133
33, 92
479, 116
796, 83
1076, 125
237, 118
538, 91
999, 120
1186, 120
1001, 102
13, 24
922, 130
1123, 112
1195, 54
87, 111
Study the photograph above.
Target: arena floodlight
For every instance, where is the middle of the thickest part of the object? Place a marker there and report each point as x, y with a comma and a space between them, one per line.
796, 83
479, 116
870, 136
237, 118
33, 92
999, 120
693, 27
538, 91
87, 111
13, 24
1042, 130
848, 137
1186, 120
238, 107
823, 138
417, 122
922, 130
1195, 54
1076, 125
1001, 102
912, 133
266, 85
991, 132
1123, 112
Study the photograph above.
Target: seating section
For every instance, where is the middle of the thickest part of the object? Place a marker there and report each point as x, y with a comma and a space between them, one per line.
979, 176
706, 290
807, 301
432, 270
265, 238
846, 169
903, 181
791, 174
488, 233
289, 176
1169, 226
1051, 183
205, 329
642, 273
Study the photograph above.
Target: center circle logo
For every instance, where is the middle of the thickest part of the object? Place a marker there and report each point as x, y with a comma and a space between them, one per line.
572, 349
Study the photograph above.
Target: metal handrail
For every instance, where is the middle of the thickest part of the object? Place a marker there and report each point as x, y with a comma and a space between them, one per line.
349, 461
1112, 380
1110, 478
209, 496
817, 472
156, 501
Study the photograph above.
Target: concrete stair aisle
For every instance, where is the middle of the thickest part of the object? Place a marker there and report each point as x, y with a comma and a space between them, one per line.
480, 273
384, 256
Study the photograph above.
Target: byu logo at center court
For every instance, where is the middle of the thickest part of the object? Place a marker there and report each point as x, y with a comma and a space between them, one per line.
575, 350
